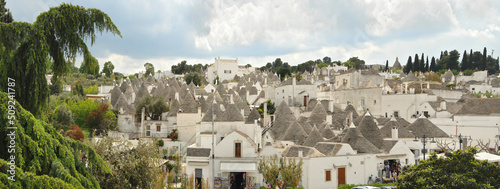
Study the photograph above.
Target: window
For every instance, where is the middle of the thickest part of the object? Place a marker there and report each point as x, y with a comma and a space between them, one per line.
396, 114
328, 175
148, 127
237, 149
374, 101
473, 89
158, 128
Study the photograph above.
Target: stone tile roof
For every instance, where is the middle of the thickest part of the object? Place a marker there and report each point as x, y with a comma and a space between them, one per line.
304, 82
318, 115
293, 151
198, 152
481, 107
115, 94
189, 105
313, 138
329, 149
358, 142
294, 133
388, 145
254, 115
422, 126
208, 114
370, 130
350, 108
220, 88
306, 126
232, 113
327, 132
403, 132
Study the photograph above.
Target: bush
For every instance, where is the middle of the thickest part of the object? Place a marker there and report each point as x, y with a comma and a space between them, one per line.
349, 186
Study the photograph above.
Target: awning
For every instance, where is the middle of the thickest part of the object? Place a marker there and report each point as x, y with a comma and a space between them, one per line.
238, 167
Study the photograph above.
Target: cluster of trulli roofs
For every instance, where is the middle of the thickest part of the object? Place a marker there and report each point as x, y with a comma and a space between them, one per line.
345, 125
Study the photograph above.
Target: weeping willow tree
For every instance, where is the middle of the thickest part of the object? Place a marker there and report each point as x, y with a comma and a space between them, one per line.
43, 158
58, 34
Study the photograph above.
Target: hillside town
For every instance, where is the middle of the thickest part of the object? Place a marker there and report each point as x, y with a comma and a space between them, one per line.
345, 124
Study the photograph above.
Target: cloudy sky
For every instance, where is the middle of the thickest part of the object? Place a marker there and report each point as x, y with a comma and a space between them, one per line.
165, 32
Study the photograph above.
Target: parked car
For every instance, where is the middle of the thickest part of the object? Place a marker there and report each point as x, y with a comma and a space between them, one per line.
387, 187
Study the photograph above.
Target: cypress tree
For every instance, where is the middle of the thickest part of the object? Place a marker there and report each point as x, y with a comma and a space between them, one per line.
427, 64
5, 14
483, 60
433, 66
465, 64
386, 65
409, 66
416, 64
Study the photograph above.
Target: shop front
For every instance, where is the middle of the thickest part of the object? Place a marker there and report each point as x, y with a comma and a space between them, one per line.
237, 175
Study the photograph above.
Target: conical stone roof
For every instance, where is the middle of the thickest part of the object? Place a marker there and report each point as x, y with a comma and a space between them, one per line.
254, 115
327, 132
318, 115
189, 105
422, 126
295, 133
230, 114
403, 132
306, 126
358, 142
313, 138
370, 130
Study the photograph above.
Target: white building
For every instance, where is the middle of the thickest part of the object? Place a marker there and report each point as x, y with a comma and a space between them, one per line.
226, 69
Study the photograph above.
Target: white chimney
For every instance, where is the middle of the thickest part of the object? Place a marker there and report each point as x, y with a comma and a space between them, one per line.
301, 154
294, 81
395, 133
443, 105
176, 96
242, 113
231, 99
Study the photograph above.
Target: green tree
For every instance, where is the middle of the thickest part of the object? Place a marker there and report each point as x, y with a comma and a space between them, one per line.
153, 106
283, 72
277, 63
416, 64
427, 68
150, 69
5, 14
91, 90
270, 108
386, 65
79, 89
131, 167
409, 66
43, 158
248, 66
63, 117
464, 65
355, 62
60, 33
108, 68
90, 65
181, 68
433, 67
194, 77
459, 169
284, 169
327, 60
483, 60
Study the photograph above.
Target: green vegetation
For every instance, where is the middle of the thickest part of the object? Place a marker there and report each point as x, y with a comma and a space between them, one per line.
43, 157
153, 106
183, 68
349, 186
56, 34
108, 68
458, 169
287, 170
150, 69
194, 77
270, 108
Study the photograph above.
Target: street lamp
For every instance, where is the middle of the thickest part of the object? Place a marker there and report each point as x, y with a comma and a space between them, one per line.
424, 140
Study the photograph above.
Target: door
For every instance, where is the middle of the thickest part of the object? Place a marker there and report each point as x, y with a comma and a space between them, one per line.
305, 100
198, 177
341, 176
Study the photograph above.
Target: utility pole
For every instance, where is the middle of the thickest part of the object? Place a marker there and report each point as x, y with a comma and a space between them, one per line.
212, 186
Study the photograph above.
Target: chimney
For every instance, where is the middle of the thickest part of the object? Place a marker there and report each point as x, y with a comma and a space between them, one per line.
301, 154
231, 99
294, 81
177, 96
394, 133
142, 121
199, 110
248, 93
443, 105
264, 114
242, 113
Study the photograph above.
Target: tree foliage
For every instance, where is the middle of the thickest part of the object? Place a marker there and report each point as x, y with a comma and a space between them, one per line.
457, 169
90, 65
63, 117
193, 77
355, 62
150, 69
101, 119
281, 170
60, 33
5, 14
108, 68
75, 133
270, 108
43, 157
131, 167
153, 106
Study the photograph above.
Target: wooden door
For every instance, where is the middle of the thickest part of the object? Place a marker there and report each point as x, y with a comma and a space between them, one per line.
341, 176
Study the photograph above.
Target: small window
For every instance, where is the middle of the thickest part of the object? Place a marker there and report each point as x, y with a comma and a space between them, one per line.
237, 149
396, 114
328, 175
283, 91
158, 128
148, 127
374, 101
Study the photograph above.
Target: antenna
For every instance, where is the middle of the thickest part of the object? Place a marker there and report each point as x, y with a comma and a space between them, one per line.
492, 51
